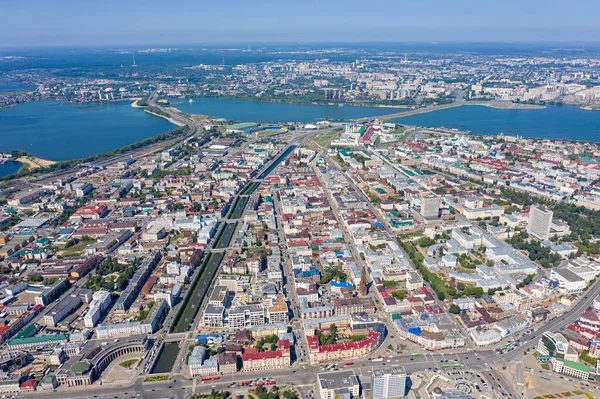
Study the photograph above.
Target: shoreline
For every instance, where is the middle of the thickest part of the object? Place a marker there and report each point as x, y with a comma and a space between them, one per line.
34, 162
134, 103
495, 104
165, 117
591, 108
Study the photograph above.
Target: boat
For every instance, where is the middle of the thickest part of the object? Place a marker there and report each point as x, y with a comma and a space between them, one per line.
191, 100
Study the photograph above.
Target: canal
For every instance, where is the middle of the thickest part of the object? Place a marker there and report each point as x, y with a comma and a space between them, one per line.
277, 162
210, 266
166, 360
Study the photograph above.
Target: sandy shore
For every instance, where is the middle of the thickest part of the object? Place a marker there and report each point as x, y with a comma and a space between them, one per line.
173, 121
591, 108
34, 162
134, 103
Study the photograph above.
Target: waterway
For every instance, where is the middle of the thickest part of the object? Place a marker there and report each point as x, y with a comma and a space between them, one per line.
255, 111
167, 358
8, 168
552, 122
58, 130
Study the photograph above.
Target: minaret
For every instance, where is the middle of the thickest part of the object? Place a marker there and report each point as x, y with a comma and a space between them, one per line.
362, 286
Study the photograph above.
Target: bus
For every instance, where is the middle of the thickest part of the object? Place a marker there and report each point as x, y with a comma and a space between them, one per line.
348, 364
206, 378
414, 355
270, 383
444, 366
246, 382
456, 365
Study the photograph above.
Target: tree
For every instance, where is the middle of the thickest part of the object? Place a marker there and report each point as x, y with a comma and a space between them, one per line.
454, 309
35, 278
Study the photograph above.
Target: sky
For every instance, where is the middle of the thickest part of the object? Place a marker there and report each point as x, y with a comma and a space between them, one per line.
136, 22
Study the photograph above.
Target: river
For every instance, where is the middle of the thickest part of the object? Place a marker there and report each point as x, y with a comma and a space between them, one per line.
58, 130
255, 111
553, 122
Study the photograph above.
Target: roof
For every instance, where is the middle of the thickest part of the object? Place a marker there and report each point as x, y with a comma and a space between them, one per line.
262, 355
577, 366
243, 125
37, 340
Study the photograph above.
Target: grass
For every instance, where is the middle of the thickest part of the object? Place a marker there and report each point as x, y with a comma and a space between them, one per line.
128, 363
78, 248
269, 132
157, 378
324, 139
545, 366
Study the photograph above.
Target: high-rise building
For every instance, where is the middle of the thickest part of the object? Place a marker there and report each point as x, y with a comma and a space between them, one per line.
387, 384
538, 224
430, 206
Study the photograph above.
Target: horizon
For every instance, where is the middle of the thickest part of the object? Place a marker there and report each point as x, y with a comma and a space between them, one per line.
134, 23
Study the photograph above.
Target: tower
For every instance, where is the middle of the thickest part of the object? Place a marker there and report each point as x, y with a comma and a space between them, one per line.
362, 286
539, 221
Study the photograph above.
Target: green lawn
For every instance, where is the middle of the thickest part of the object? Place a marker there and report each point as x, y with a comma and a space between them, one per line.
157, 378
78, 248
128, 363
324, 139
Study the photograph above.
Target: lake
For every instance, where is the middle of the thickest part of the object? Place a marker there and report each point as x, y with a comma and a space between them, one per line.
553, 122
58, 130
8, 168
255, 111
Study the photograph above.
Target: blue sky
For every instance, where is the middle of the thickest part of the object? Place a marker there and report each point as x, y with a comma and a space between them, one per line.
110, 22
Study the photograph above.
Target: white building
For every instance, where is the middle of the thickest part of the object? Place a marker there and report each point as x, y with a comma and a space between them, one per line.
538, 224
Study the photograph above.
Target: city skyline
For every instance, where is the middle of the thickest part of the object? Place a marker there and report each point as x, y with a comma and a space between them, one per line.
68, 23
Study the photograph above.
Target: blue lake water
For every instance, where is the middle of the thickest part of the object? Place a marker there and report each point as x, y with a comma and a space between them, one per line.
8, 168
254, 111
58, 130
552, 122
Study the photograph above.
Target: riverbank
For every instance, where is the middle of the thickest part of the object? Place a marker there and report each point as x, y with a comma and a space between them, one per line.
35, 162
489, 104
134, 104
595, 107
173, 121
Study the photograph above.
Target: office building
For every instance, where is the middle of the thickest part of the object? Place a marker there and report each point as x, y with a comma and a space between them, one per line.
538, 224
386, 384
342, 384
430, 206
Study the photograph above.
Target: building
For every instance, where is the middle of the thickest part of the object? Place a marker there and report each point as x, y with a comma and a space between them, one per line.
100, 304
109, 331
386, 384
430, 206
555, 345
196, 359
342, 384
539, 221
62, 310
573, 369
266, 360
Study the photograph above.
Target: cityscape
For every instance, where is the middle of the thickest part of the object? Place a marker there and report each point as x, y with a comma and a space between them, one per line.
299, 221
